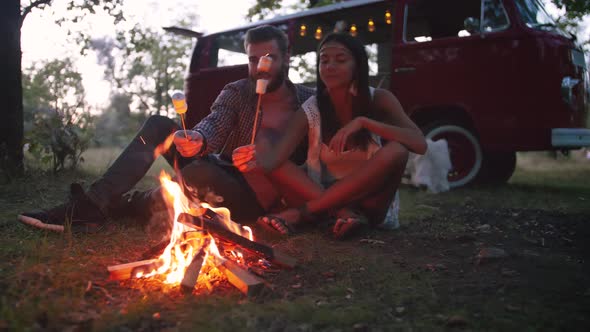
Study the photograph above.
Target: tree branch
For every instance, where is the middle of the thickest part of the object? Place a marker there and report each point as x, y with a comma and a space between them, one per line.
30, 7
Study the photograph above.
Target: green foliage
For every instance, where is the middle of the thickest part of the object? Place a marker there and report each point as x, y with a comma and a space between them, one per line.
575, 9
117, 124
58, 129
145, 65
264, 9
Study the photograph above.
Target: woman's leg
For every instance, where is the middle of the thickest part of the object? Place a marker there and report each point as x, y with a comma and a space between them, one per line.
365, 186
295, 185
387, 163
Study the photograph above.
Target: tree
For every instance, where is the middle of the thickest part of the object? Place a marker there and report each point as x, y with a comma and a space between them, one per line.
58, 127
12, 17
145, 64
11, 129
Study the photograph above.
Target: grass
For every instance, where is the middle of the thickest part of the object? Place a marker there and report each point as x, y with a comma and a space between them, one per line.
424, 276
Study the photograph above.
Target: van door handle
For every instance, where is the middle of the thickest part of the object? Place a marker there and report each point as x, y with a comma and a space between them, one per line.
402, 70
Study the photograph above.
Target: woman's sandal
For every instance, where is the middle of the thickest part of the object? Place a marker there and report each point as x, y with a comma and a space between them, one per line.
345, 227
278, 224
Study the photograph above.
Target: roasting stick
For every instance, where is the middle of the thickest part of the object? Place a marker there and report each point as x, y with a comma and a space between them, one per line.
263, 67
179, 102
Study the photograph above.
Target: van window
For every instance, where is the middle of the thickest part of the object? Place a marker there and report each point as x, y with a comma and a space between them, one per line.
426, 20
228, 49
494, 16
535, 16
370, 24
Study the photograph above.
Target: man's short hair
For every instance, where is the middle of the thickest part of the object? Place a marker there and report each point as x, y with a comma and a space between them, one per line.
266, 33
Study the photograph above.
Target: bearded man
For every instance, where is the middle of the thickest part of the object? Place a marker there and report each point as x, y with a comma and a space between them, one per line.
203, 154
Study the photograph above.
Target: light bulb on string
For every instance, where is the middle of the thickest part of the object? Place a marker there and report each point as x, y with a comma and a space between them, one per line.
353, 30
302, 30
388, 17
371, 25
318, 33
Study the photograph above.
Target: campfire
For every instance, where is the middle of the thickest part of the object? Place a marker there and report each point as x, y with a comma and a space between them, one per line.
205, 240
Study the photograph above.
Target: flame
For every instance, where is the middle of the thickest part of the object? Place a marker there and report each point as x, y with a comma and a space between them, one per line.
163, 147
186, 242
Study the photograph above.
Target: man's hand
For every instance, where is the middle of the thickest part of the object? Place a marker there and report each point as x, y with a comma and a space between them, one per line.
188, 147
338, 141
244, 158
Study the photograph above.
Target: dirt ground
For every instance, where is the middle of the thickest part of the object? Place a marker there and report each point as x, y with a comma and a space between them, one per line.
507, 258
465, 267
502, 269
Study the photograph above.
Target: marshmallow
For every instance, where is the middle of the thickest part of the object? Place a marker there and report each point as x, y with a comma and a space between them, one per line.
179, 102
261, 86
264, 64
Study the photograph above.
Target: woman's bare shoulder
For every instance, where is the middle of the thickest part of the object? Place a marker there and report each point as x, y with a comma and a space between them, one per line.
385, 98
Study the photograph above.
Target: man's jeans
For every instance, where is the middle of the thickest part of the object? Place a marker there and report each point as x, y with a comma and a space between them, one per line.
203, 174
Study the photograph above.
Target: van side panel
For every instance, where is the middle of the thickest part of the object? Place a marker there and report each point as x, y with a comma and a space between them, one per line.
507, 82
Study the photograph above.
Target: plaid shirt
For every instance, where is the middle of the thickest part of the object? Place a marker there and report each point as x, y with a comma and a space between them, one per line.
230, 123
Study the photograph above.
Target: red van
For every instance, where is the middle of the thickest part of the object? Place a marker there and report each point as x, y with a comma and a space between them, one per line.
492, 77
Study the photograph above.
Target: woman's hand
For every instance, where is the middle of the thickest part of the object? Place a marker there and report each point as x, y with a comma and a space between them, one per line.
188, 142
338, 142
244, 158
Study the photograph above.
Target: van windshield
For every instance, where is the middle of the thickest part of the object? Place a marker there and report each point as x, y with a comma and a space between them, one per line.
535, 16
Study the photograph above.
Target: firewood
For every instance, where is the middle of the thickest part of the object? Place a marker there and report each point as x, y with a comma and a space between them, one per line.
131, 270
247, 283
210, 222
191, 274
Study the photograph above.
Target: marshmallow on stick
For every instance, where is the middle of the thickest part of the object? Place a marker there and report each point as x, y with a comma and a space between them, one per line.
264, 64
179, 102
261, 85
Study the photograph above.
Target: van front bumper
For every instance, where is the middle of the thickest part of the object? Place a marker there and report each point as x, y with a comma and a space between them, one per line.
570, 137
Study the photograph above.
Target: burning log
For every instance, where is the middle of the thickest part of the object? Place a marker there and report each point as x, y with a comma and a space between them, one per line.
132, 270
191, 274
209, 222
205, 232
246, 282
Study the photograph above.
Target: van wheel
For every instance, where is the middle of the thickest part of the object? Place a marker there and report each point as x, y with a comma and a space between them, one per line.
464, 149
497, 167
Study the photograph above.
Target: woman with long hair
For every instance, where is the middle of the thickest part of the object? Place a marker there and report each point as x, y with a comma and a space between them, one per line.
359, 140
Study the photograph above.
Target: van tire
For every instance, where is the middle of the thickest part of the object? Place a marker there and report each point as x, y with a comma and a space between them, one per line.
464, 149
497, 167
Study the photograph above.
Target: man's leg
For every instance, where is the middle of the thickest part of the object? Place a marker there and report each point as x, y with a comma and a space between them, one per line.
133, 163
208, 175
86, 212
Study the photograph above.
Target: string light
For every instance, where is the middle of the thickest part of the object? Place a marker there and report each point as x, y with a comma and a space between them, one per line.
302, 30
318, 33
388, 17
371, 25
353, 30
